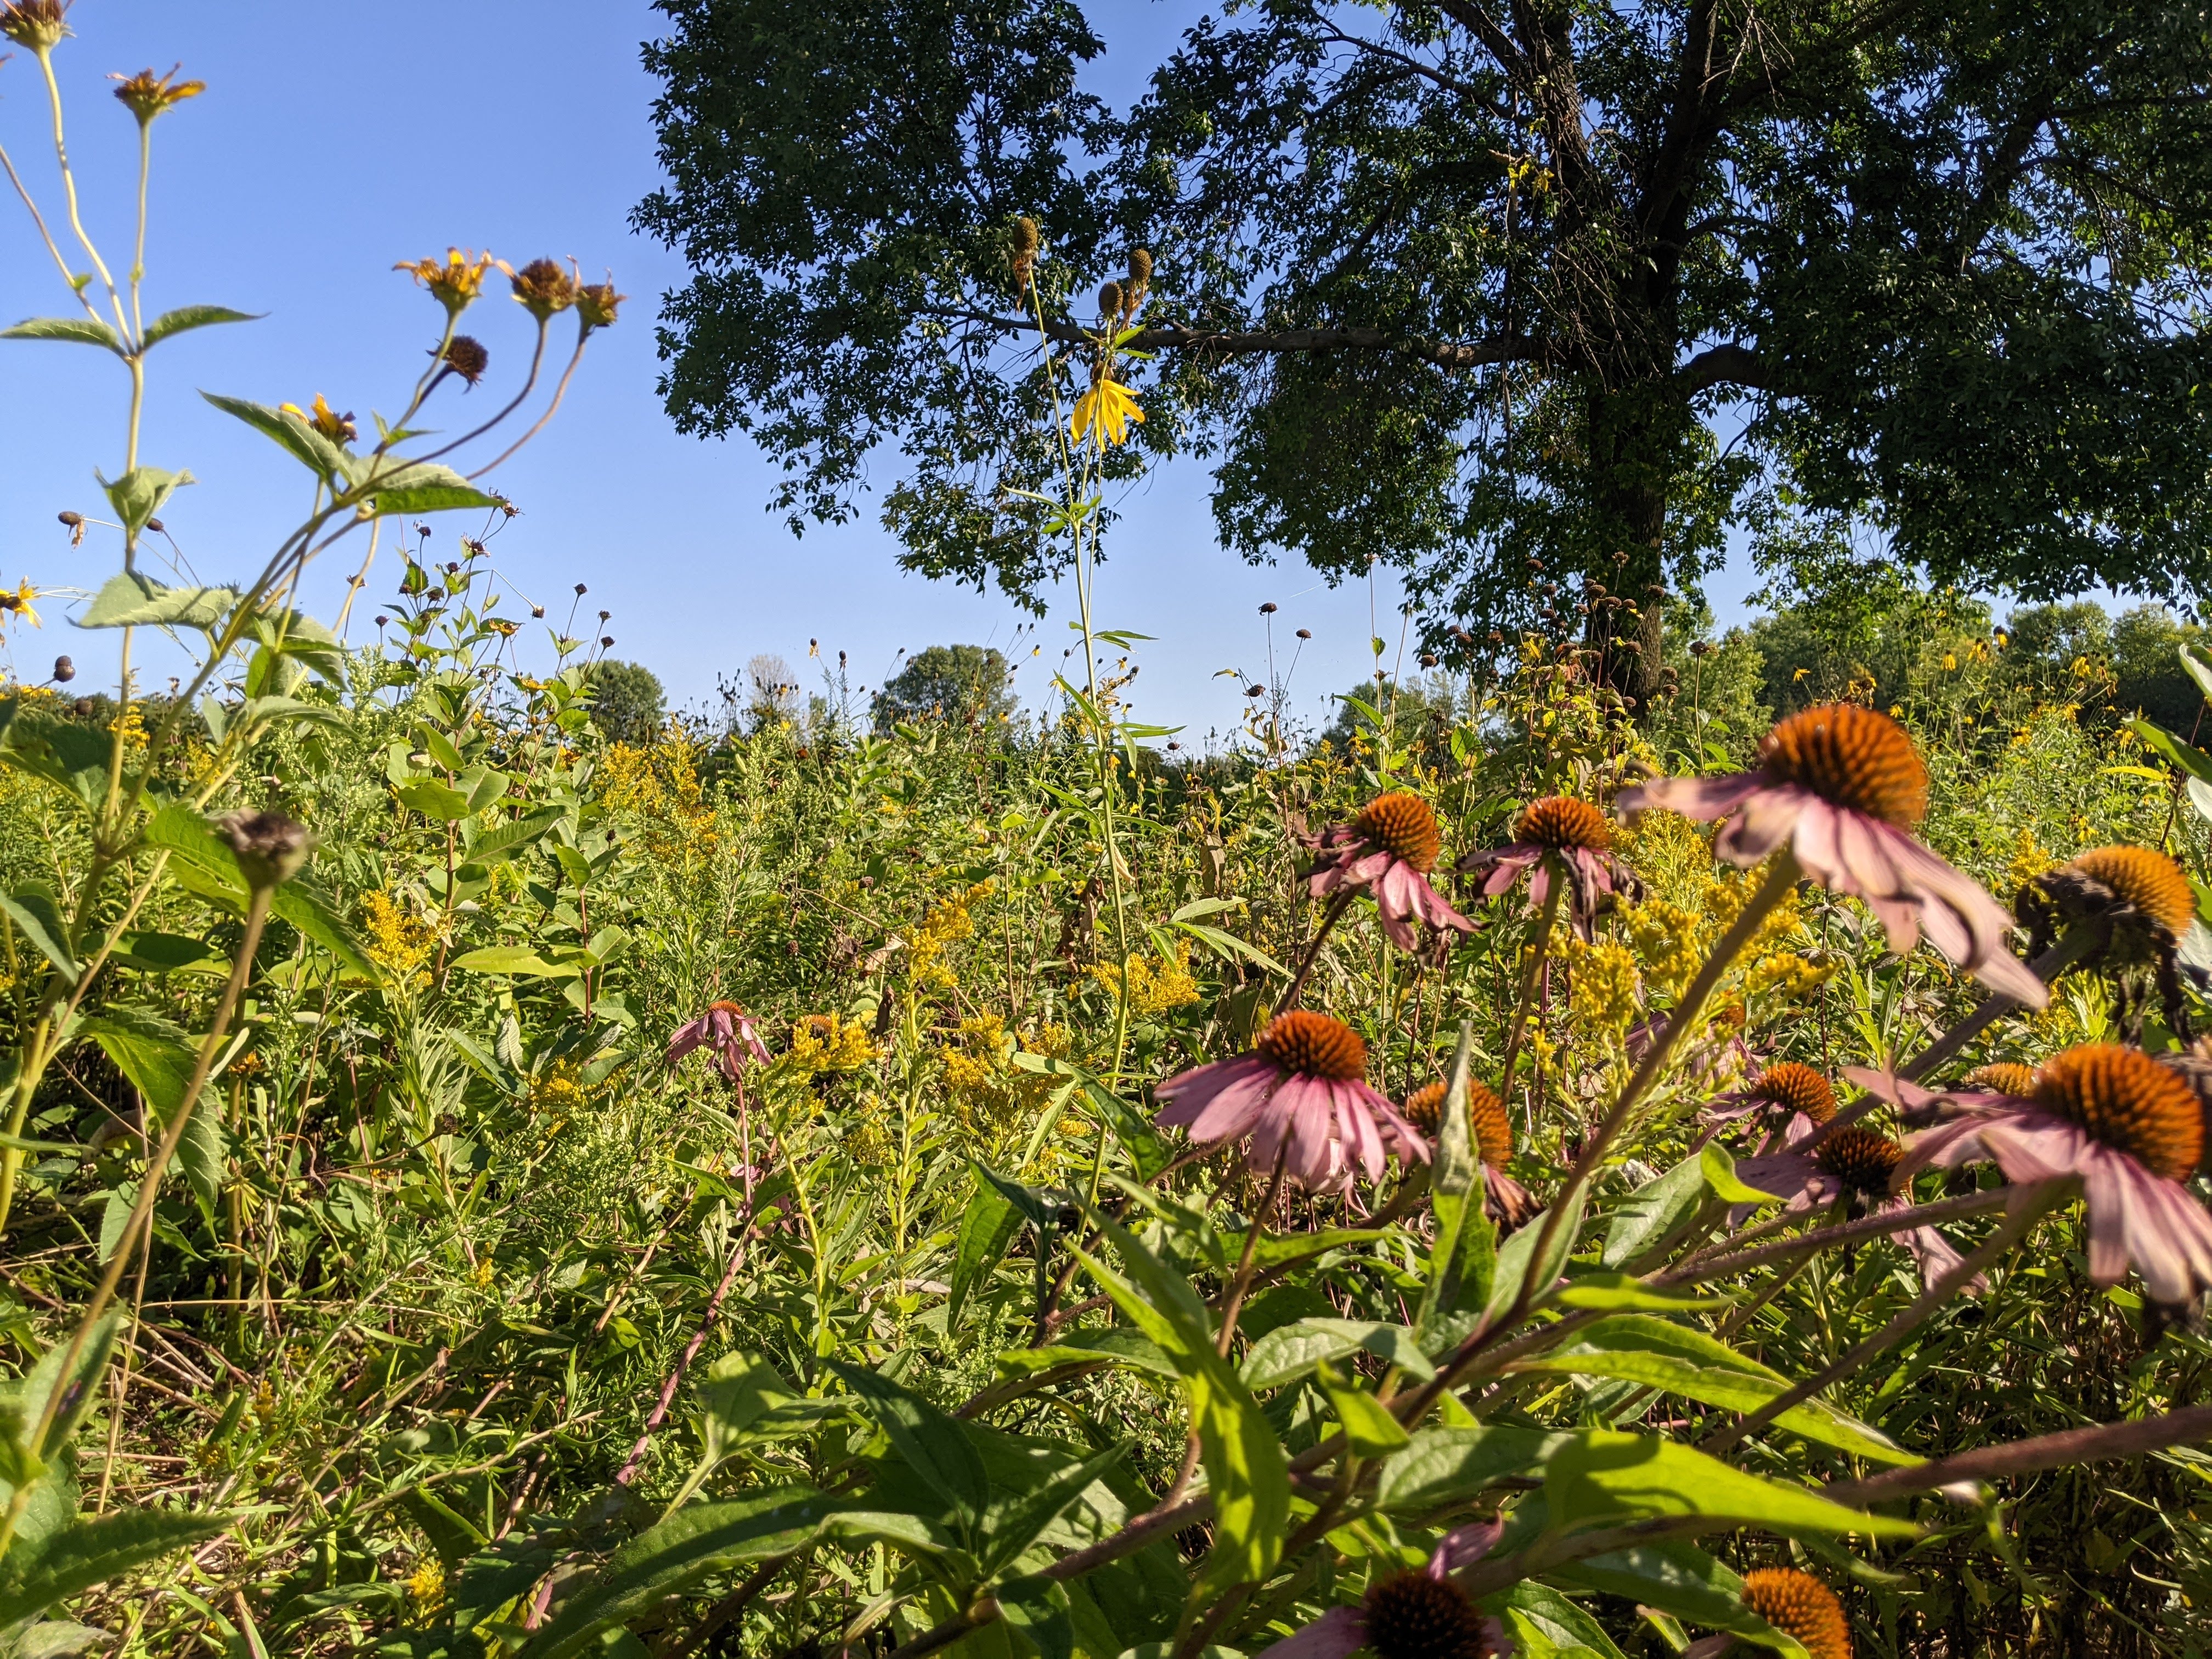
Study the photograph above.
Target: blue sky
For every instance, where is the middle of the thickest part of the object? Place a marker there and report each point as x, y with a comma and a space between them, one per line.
334, 140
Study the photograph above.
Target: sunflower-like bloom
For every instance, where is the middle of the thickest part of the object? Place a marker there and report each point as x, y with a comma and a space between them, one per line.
1843, 787
1411, 1615
146, 97
1301, 1095
1387, 852
18, 604
1491, 1127
1796, 1604
1557, 838
727, 1032
596, 305
2129, 1129
2140, 909
454, 281
338, 428
1854, 1165
1105, 410
543, 288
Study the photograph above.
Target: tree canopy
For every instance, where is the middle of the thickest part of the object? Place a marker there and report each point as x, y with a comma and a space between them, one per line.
958, 683
1501, 293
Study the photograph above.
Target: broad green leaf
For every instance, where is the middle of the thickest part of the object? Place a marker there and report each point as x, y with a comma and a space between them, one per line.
91, 1551
131, 598
193, 843
1367, 1423
77, 331
412, 487
434, 799
1638, 1348
1602, 1478
1543, 1622
504, 842
1290, 1351
1513, 1258
303, 904
1446, 1466
679, 1551
1010, 1528
1719, 1169
1679, 1578
2184, 755
1131, 1350
61, 752
1463, 1263
930, 1440
1245, 1471
37, 915
158, 1058
517, 960
738, 1389
23, 1400
1618, 1293
1653, 1210
988, 1226
189, 317
313, 450
137, 496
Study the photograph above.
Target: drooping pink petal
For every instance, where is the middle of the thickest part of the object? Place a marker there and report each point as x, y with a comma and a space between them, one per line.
1693, 797
1967, 925
1769, 817
1337, 1634
1183, 1096
1463, 1547
1505, 867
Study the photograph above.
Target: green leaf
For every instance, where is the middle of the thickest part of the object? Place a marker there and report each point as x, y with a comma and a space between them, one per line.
494, 845
988, 1226
188, 317
158, 1058
1638, 1348
37, 914
1653, 1210
1601, 1478
24, 1399
194, 843
1718, 1167
1677, 1578
2182, 754
303, 904
61, 752
739, 1389
309, 446
78, 331
517, 960
90, 1551
1245, 1471
1514, 1264
930, 1440
1443, 1466
1463, 1262
413, 487
1011, 1529
679, 1551
1131, 1350
1367, 1423
434, 799
1618, 1293
1290, 1351
133, 599
137, 496
1562, 1627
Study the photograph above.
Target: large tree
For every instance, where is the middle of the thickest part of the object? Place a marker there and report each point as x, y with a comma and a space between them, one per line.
1483, 289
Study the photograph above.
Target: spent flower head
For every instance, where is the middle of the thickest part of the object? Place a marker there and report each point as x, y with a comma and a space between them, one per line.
466, 356
146, 96
272, 848
596, 303
543, 288
454, 281
35, 25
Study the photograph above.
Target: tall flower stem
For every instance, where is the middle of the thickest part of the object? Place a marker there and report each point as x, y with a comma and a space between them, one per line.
1530, 978
1337, 905
2070, 949
1233, 1303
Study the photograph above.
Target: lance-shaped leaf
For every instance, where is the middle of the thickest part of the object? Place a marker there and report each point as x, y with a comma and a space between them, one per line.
1463, 1262
90, 1551
309, 446
1443, 1466
392, 485
1290, 1351
75, 331
1679, 1578
155, 1053
1604, 1479
1011, 1527
1245, 1474
130, 598
988, 1226
37, 914
191, 317
931, 1441
1130, 1349
1646, 1217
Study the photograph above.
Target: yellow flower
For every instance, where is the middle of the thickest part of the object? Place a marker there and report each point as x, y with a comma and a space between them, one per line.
18, 604
1607, 996
826, 1043
455, 282
338, 428
397, 943
1153, 985
1667, 937
146, 97
426, 1585
1105, 410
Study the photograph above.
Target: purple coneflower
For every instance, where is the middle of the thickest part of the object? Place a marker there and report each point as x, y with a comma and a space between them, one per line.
1853, 1163
1793, 1099
1557, 838
1411, 1615
1492, 1127
726, 1030
1843, 787
1796, 1604
2138, 907
1301, 1095
2131, 1129
1387, 852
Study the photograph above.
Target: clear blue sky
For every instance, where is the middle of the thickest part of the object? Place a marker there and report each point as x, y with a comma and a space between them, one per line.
334, 140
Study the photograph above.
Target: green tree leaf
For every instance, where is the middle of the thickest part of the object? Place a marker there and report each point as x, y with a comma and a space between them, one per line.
36, 912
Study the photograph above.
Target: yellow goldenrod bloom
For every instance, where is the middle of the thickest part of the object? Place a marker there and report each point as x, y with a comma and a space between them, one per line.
1106, 410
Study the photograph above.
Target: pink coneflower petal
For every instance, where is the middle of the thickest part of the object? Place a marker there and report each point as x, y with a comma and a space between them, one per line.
1337, 1634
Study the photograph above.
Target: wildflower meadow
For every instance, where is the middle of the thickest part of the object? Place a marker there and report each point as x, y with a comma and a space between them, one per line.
1640, 1138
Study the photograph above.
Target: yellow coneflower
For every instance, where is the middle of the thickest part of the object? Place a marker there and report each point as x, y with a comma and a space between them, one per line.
338, 428
1106, 410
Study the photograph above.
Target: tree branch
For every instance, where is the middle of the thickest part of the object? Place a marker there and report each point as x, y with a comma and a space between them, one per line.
2044, 1451
1724, 365
1445, 354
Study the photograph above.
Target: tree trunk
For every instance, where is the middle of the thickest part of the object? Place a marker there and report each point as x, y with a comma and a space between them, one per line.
1632, 444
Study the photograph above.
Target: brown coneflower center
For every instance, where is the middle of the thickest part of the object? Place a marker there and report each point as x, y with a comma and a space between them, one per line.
1853, 757
729, 1008
2145, 877
1403, 826
1864, 1159
2004, 1077
1797, 1088
1414, 1616
1799, 1605
2129, 1101
1560, 822
1314, 1045
1487, 1120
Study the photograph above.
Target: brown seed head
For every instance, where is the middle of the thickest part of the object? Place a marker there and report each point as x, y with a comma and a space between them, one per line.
2147, 879
1798, 1089
147, 96
1109, 300
270, 847
1314, 1045
1488, 1121
1864, 1159
467, 358
2005, 1077
1852, 758
1560, 822
1140, 268
1799, 1605
1026, 241
543, 288
596, 303
35, 25
1402, 825
1414, 1616
2129, 1101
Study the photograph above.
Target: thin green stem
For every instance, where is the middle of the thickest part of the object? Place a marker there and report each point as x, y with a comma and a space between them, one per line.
68, 189
1530, 978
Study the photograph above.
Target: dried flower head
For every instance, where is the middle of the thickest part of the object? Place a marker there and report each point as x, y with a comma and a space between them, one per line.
1109, 300
1141, 269
466, 356
596, 303
455, 281
543, 288
146, 97
35, 25
1799, 1605
270, 847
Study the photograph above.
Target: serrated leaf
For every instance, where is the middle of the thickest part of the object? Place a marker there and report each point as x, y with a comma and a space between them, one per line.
90, 1551
37, 914
77, 331
138, 495
189, 317
309, 446
131, 598
413, 487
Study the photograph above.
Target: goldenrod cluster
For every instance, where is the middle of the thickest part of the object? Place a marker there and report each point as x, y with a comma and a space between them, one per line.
828, 1043
989, 1094
1608, 994
658, 783
1667, 937
1795, 977
557, 1090
2029, 860
944, 925
397, 943
1152, 984
426, 1585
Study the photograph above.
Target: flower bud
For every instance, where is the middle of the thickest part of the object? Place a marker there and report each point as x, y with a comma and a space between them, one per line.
1268, 609
1305, 633
72, 520
270, 847
64, 670
157, 526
